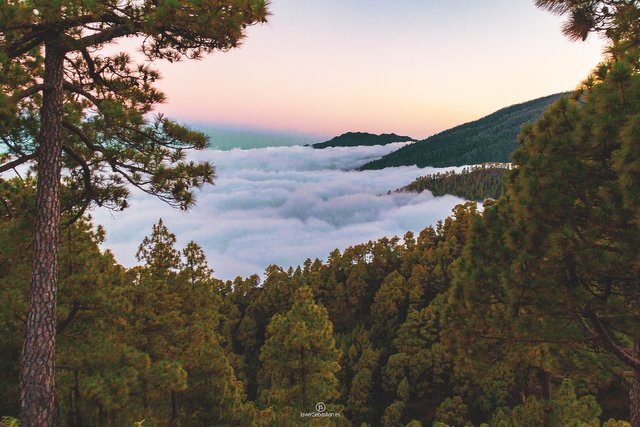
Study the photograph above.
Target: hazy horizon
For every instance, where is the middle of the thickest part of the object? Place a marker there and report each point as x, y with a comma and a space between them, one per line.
224, 136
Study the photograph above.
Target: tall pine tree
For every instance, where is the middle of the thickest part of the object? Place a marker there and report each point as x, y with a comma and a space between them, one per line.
300, 360
64, 104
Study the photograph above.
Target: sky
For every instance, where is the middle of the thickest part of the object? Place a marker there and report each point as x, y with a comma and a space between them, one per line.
413, 67
282, 205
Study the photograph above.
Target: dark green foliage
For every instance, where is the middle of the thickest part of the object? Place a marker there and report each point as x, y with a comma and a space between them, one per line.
353, 139
111, 138
557, 260
616, 19
474, 183
299, 360
65, 104
563, 408
167, 343
452, 411
525, 314
129, 342
490, 139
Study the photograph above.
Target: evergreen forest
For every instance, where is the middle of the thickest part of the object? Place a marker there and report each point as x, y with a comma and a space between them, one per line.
523, 313
378, 333
486, 181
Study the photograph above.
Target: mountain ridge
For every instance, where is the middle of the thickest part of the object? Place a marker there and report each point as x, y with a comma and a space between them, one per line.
355, 139
489, 139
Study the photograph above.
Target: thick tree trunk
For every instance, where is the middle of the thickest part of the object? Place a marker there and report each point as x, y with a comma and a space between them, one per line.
37, 375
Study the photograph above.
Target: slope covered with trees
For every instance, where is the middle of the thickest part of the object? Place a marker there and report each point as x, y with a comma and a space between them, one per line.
490, 139
366, 333
354, 139
478, 183
558, 258
524, 314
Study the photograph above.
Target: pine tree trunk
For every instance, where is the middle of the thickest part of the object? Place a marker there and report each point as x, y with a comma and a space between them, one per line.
37, 375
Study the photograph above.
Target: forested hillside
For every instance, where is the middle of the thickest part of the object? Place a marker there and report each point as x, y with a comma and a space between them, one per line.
368, 333
490, 139
354, 139
478, 183
525, 313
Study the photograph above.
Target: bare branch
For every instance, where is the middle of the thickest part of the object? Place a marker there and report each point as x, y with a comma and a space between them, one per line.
6, 206
103, 36
83, 137
29, 91
75, 308
599, 328
17, 162
25, 44
80, 91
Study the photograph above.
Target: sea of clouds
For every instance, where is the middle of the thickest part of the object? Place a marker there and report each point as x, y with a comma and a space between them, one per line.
282, 205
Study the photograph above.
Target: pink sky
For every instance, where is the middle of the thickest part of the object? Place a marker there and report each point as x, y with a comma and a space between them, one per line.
408, 66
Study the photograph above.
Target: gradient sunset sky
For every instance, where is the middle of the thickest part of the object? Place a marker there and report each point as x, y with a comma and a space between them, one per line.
411, 67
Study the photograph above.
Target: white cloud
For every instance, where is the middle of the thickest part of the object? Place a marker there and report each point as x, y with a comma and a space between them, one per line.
281, 205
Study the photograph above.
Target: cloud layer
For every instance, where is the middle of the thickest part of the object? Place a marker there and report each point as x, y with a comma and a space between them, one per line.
282, 205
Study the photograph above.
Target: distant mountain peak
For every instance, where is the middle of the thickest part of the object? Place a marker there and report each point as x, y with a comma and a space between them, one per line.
354, 139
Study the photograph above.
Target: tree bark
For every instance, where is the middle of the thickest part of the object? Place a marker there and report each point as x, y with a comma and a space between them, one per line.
37, 374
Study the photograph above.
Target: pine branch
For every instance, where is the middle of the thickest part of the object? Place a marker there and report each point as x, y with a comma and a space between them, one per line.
28, 91
599, 328
17, 162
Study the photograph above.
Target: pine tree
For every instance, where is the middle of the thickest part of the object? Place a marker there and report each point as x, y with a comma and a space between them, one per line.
65, 105
557, 261
300, 360
616, 19
90, 350
393, 415
390, 306
175, 317
563, 408
361, 400
452, 412
418, 371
